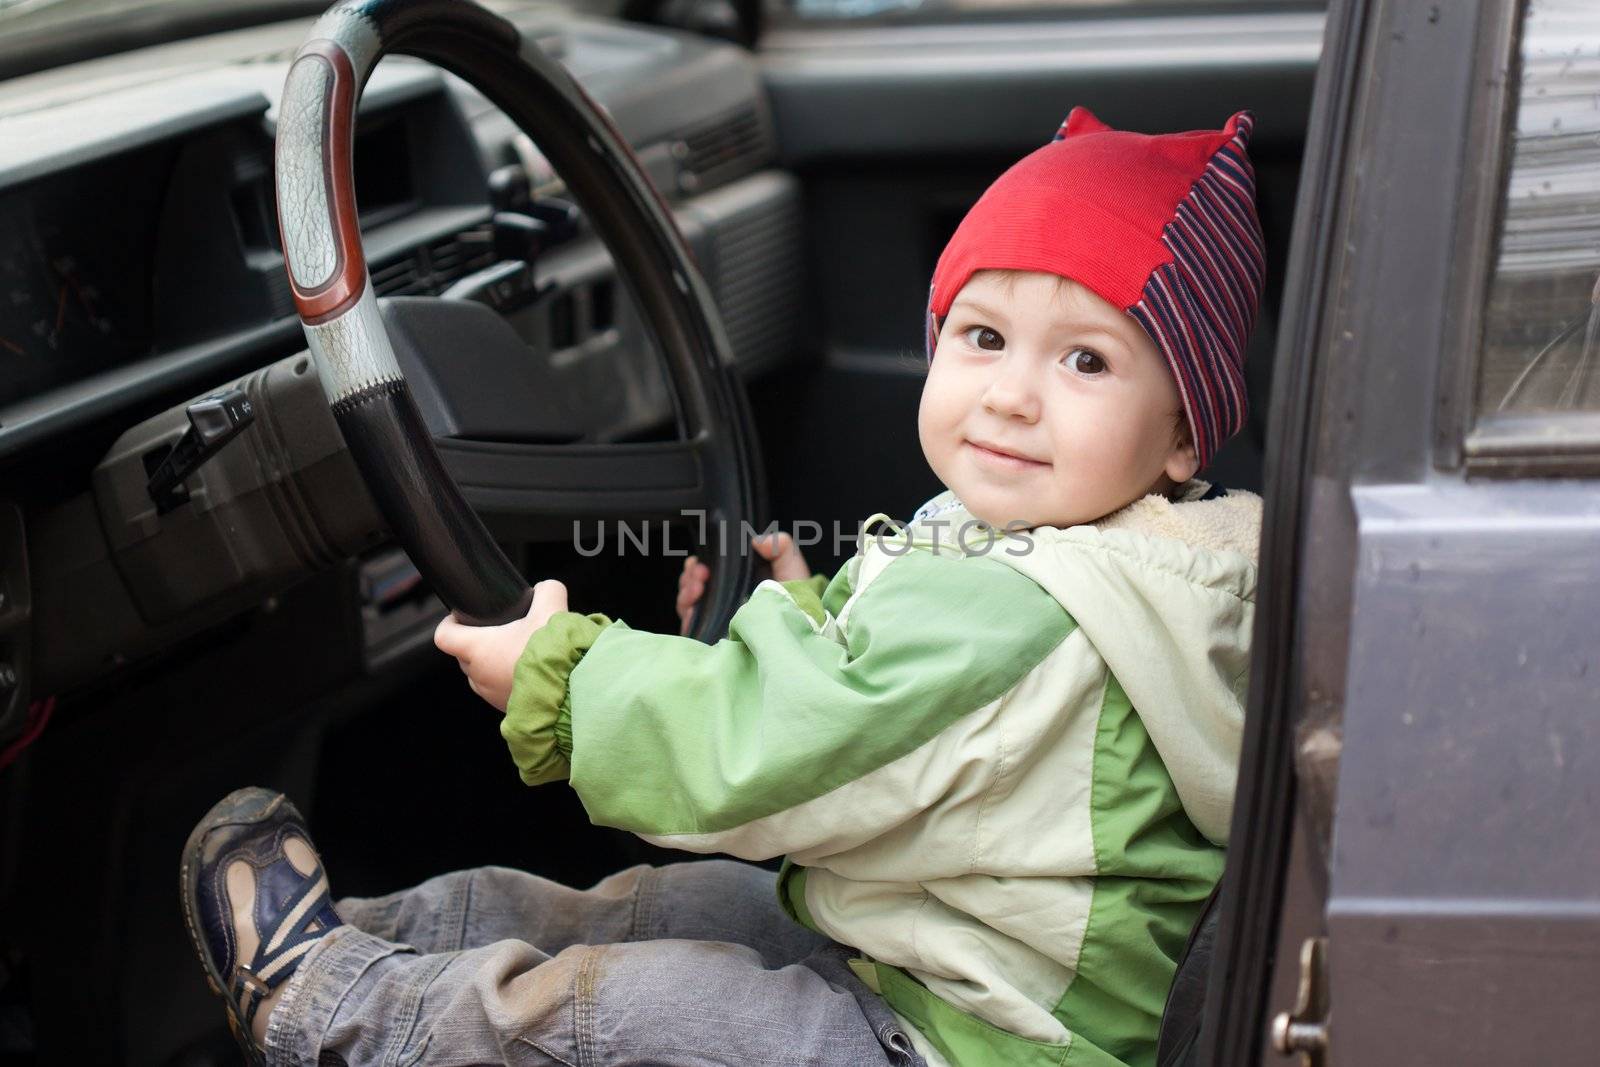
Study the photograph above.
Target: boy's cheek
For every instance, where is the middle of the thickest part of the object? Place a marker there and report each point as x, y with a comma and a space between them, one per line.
926, 421
934, 435
939, 409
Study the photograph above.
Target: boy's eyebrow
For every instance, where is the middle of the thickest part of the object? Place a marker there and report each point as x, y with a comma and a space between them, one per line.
981, 309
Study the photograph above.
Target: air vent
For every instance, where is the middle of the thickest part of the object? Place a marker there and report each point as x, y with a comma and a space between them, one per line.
759, 270
431, 269
397, 278
459, 255
724, 149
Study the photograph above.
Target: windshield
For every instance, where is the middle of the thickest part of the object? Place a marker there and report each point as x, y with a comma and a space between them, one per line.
37, 14
39, 34
9, 8
818, 10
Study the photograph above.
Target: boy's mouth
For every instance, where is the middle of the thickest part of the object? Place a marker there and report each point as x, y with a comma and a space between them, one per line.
995, 454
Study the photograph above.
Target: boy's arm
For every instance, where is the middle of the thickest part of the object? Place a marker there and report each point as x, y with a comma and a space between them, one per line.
755, 745
537, 713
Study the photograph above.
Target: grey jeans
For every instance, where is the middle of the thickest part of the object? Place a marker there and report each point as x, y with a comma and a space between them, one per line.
692, 963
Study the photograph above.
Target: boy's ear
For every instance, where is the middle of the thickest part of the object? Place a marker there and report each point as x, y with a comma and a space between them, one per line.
1183, 462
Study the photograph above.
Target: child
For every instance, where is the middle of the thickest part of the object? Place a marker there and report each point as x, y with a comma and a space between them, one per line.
997, 749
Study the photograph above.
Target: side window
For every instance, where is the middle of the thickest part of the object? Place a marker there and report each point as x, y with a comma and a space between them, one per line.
1541, 325
912, 10
878, 9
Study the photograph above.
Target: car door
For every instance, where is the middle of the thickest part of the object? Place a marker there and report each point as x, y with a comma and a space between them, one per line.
1418, 782
896, 117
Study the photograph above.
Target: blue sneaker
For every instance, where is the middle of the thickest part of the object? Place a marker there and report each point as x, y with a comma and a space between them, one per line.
255, 899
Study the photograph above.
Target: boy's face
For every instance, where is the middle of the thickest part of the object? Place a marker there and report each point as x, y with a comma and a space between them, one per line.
1047, 405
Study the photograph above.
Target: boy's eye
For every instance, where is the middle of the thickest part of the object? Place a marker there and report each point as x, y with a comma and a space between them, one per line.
985, 338
1085, 361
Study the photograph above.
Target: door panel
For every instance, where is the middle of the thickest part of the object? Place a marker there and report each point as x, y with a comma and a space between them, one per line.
1442, 619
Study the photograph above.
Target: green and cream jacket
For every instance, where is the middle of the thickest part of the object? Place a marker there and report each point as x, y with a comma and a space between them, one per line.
999, 766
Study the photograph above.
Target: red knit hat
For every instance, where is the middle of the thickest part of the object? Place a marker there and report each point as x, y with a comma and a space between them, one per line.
1163, 226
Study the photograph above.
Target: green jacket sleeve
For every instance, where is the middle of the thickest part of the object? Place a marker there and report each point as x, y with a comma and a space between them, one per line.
730, 747
807, 595
538, 722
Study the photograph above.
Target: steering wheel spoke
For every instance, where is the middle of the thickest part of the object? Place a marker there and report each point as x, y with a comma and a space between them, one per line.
540, 491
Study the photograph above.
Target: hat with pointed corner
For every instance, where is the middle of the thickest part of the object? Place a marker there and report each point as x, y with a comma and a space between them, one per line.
1163, 226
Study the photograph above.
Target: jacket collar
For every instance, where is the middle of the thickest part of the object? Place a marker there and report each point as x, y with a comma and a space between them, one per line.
1195, 514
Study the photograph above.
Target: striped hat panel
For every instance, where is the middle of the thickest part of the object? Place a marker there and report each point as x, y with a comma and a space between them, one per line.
1201, 307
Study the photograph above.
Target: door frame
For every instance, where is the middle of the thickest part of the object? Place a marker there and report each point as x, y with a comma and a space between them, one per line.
1393, 248
1237, 996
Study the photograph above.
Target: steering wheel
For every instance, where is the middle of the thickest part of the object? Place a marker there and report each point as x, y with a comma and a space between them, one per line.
708, 471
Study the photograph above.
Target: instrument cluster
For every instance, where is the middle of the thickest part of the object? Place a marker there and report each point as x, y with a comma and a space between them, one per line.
77, 257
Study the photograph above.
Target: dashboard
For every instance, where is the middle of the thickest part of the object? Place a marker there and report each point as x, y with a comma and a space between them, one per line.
131, 230
141, 266
139, 249
158, 247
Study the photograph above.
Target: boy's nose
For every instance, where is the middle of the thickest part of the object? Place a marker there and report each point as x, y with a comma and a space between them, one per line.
1011, 392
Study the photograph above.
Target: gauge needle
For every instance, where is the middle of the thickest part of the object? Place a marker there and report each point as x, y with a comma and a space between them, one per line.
6, 343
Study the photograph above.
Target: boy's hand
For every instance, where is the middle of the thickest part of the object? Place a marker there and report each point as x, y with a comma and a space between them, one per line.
691, 587
489, 654
778, 549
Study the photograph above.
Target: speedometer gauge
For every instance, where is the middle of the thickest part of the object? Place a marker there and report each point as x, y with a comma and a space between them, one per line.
75, 259
75, 302
16, 302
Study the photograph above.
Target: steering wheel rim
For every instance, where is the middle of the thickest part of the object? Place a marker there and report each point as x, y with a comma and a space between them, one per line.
366, 389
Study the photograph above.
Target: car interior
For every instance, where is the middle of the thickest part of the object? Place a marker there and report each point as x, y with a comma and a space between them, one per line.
196, 596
